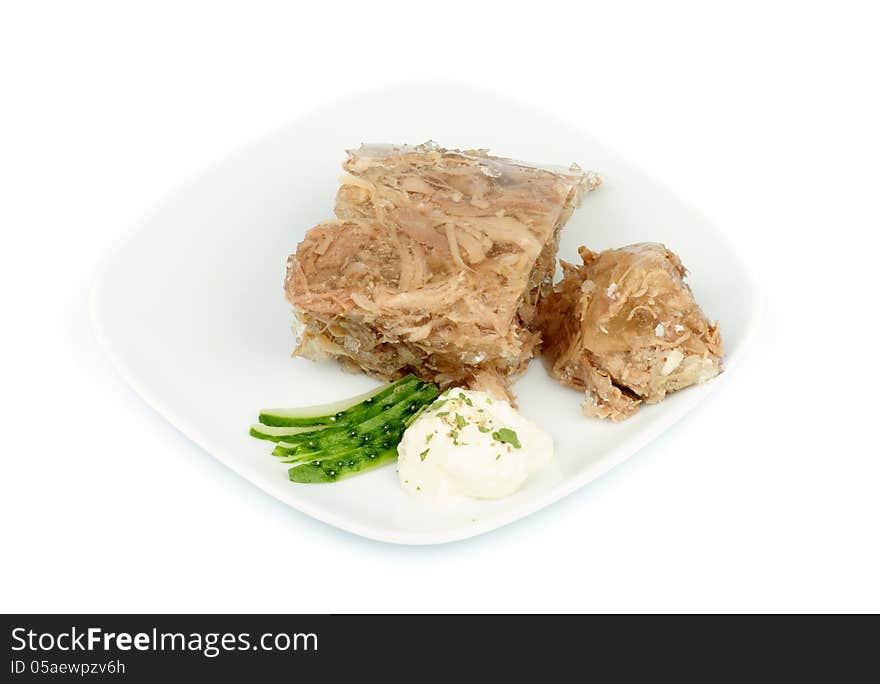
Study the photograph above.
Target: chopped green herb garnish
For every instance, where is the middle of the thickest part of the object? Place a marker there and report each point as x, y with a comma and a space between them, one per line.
507, 436
443, 414
438, 404
424, 454
460, 422
466, 399
498, 457
429, 437
489, 400
483, 428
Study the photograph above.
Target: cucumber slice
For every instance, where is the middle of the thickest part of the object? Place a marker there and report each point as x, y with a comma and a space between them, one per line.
409, 420
333, 413
381, 442
276, 434
333, 470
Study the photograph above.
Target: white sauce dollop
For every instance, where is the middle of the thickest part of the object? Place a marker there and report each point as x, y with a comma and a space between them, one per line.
465, 445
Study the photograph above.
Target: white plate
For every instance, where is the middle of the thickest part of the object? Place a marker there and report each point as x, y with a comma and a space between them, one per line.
190, 304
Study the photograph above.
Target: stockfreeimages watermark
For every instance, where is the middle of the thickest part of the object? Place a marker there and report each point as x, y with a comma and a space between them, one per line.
209, 644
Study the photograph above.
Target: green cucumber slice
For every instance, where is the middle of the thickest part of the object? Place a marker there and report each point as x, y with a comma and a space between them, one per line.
276, 434
378, 442
332, 413
330, 470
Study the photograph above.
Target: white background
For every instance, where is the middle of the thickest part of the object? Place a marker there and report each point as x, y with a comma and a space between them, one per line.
764, 499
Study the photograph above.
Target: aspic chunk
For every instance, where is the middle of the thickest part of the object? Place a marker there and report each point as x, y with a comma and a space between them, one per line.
435, 265
625, 328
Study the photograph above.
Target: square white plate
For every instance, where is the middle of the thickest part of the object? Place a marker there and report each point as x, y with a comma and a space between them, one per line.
191, 309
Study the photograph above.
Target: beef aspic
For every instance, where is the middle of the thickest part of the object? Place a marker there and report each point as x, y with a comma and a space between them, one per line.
435, 264
623, 326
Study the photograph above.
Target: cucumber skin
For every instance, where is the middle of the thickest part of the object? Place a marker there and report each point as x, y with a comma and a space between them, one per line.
276, 417
308, 473
261, 432
370, 428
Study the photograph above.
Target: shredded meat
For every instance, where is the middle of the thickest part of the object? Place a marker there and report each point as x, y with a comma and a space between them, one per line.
435, 265
624, 327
